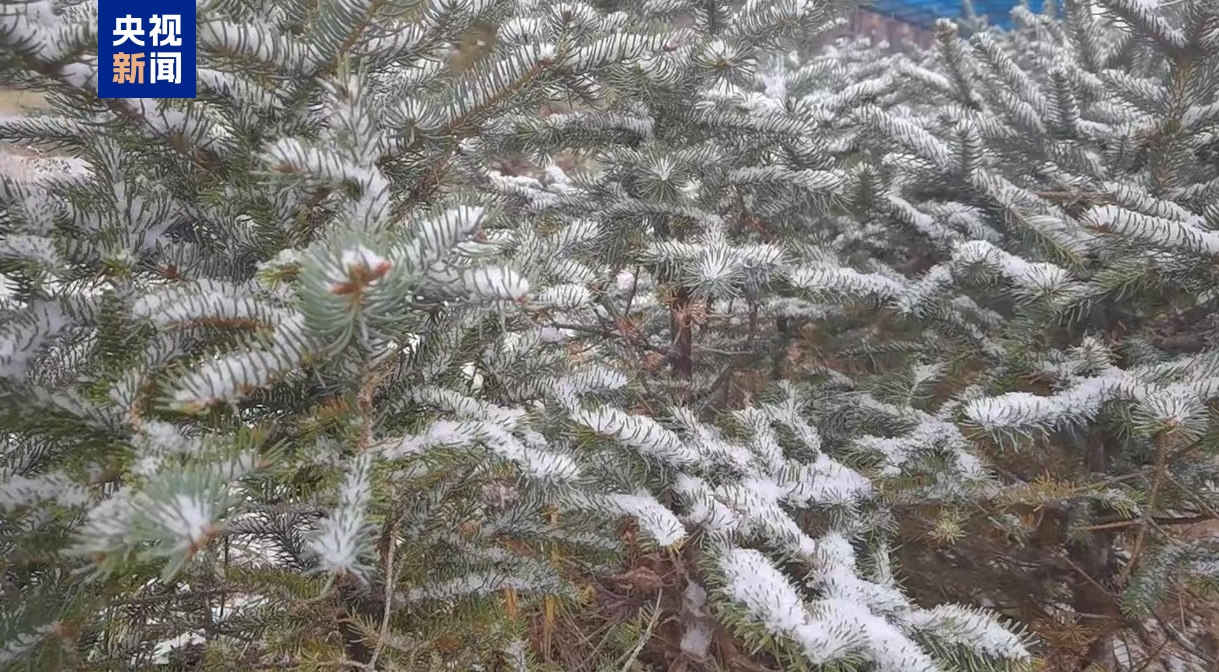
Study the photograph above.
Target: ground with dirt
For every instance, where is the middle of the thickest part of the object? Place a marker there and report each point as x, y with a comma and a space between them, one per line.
14, 162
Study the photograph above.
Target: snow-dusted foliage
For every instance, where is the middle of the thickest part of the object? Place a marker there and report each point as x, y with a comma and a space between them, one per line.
688, 233
1034, 213
233, 402
986, 264
296, 375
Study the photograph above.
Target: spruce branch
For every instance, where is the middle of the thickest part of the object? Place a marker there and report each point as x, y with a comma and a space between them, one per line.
1163, 446
351, 40
53, 71
422, 192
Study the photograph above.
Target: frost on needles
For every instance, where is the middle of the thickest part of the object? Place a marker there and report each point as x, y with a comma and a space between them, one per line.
1048, 194
295, 373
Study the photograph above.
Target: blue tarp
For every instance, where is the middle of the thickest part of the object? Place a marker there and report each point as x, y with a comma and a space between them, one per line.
923, 13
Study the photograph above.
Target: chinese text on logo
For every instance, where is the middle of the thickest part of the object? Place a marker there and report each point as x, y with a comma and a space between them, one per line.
146, 49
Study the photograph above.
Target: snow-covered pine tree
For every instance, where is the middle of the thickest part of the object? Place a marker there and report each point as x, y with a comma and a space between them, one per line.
1053, 191
225, 331
280, 380
705, 225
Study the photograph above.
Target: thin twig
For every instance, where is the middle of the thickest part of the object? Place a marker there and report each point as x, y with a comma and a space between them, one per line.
383, 635
1131, 522
646, 635
1092, 581
1151, 656
1181, 641
630, 297
1161, 466
1193, 497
